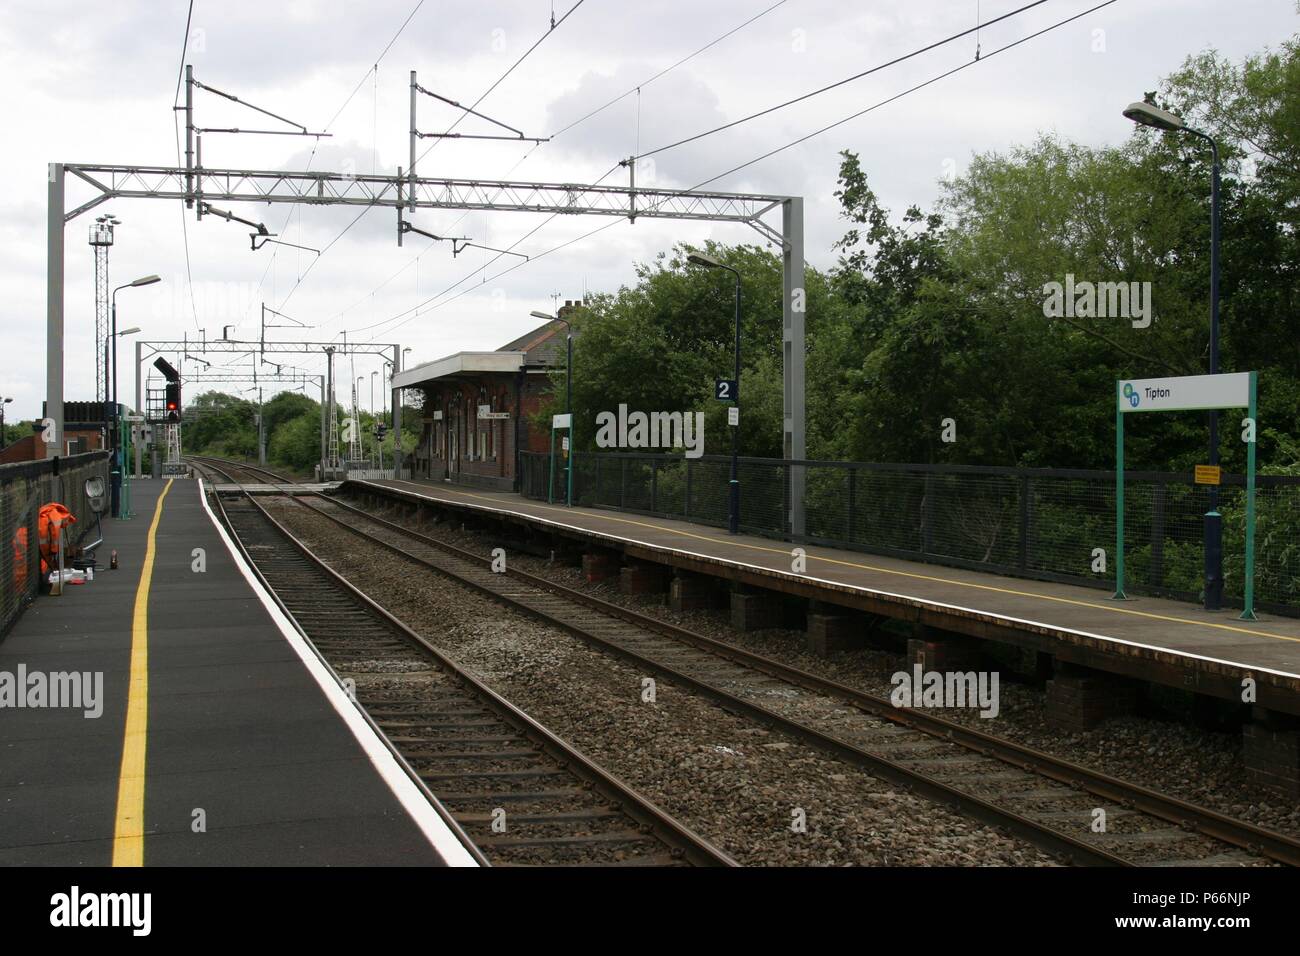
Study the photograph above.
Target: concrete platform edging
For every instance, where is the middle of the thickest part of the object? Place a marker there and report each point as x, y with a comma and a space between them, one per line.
920, 603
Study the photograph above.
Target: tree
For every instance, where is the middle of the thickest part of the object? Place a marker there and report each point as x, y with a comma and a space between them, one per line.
660, 345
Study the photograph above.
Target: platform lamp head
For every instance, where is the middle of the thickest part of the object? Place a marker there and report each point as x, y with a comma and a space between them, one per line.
1145, 114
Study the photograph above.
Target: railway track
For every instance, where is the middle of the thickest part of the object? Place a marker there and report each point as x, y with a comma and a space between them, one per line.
1046, 800
232, 471
520, 794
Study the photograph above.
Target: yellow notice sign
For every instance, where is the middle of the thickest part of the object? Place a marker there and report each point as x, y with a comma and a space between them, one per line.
1208, 474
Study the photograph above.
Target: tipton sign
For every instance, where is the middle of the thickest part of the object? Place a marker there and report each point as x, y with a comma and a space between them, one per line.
1185, 393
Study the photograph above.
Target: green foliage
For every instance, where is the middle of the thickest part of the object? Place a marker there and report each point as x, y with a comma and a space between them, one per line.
226, 426
16, 431
295, 443
939, 314
222, 425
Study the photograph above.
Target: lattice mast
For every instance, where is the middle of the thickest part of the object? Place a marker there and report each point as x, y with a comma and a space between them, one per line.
101, 239
354, 433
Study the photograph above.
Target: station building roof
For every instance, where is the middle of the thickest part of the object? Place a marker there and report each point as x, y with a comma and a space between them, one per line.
538, 349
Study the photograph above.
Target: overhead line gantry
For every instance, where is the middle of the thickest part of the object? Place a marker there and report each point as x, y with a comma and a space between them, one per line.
198, 186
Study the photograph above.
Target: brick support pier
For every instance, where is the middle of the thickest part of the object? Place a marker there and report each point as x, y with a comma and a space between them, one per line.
643, 579
691, 592
831, 629
938, 651
754, 610
1079, 698
599, 566
1271, 750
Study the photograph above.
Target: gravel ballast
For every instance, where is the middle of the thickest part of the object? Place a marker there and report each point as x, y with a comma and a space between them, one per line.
1199, 766
744, 787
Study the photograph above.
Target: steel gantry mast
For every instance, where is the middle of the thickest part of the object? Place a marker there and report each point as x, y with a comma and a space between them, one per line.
196, 185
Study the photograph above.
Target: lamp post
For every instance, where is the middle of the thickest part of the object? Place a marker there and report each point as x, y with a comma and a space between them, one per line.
405, 365
116, 501
568, 399
3, 433
261, 429
733, 517
1145, 114
361, 380
386, 391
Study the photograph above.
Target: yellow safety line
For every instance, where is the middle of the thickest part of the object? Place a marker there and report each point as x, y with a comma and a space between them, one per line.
1112, 608
128, 836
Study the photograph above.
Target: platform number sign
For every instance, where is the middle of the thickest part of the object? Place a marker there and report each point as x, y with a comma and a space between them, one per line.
725, 390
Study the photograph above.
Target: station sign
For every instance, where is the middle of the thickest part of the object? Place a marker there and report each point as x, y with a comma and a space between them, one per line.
1184, 393
561, 421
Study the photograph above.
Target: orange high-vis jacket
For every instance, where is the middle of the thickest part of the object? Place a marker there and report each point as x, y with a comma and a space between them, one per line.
20, 560
50, 523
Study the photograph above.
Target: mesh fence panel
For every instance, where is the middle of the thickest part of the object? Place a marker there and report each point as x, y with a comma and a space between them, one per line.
1068, 518
765, 489
886, 510
1041, 523
1277, 546
709, 495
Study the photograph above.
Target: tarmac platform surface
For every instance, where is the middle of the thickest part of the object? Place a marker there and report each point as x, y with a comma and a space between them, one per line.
1170, 642
219, 741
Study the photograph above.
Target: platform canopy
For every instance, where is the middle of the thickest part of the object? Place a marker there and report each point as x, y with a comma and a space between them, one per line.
461, 363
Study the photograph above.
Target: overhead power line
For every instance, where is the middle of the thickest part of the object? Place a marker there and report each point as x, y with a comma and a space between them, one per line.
912, 89
384, 52
508, 250
712, 43
414, 261
337, 113
540, 40
848, 79
482, 97
433, 302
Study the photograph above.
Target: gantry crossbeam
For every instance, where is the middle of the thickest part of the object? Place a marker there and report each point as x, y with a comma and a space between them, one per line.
195, 186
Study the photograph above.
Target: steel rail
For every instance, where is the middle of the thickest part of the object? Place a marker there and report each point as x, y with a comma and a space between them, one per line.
1035, 832
669, 831
1211, 823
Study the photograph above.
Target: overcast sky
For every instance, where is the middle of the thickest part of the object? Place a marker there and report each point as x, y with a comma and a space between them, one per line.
94, 83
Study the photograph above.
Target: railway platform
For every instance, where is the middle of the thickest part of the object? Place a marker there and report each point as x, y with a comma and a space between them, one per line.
193, 724
1092, 651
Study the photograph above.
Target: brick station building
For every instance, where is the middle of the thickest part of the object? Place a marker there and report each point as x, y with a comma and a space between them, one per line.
83, 430
478, 406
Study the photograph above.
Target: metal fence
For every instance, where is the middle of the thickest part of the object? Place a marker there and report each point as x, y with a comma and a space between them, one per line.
24, 488
1038, 523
